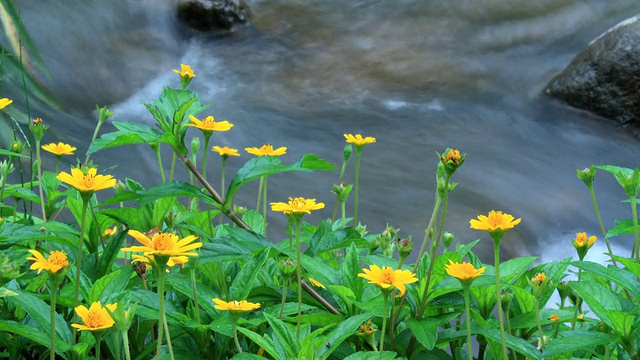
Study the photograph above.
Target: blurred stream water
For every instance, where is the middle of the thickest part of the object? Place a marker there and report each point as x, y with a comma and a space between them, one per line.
420, 76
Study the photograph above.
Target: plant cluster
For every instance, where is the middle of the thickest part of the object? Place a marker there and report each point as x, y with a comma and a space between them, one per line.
177, 271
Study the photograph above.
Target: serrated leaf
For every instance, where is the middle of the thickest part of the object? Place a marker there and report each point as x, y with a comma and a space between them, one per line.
425, 330
569, 341
244, 281
264, 342
172, 189
599, 298
40, 312
369, 355
342, 332
514, 343
327, 239
35, 335
350, 268
285, 336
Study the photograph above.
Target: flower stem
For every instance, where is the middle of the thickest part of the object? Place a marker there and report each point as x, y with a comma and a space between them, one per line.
496, 254
537, 308
385, 310
204, 156
604, 232
195, 295
40, 190
284, 298
58, 163
259, 193
634, 212
159, 159
161, 315
264, 207
468, 321
357, 181
125, 342
173, 166
299, 276
166, 331
85, 203
224, 165
427, 231
234, 328
577, 304
53, 293
343, 210
335, 206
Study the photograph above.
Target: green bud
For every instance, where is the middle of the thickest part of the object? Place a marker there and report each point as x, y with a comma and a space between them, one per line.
505, 300
286, 268
239, 210
103, 113
342, 191
404, 247
451, 160
38, 129
195, 145
563, 290
6, 167
16, 146
587, 175
448, 239
539, 285
120, 187
346, 152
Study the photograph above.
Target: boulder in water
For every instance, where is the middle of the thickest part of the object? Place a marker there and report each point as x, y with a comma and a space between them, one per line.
605, 77
212, 15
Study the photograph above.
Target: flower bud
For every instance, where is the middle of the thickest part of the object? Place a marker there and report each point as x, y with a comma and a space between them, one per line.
404, 247
539, 285
582, 244
505, 300
451, 159
141, 269
346, 152
564, 290
38, 129
342, 191
239, 210
120, 187
587, 175
103, 113
286, 268
195, 145
447, 239
16, 146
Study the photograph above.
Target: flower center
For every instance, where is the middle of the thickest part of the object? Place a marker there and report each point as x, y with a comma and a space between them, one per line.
581, 238
266, 149
93, 319
452, 155
88, 180
298, 203
495, 218
58, 258
208, 122
387, 276
163, 241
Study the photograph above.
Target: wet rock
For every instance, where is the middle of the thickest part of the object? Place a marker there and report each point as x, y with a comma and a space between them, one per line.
212, 15
605, 77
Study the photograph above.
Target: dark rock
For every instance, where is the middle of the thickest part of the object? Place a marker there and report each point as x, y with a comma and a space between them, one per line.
605, 77
211, 15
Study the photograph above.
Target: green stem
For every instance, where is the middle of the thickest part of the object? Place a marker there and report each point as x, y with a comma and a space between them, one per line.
116, 345
357, 181
284, 299
427, 231
40, 189
259, 193
507, 319
173, 166
166, 331
468, 321
234, 325
264, 207
195, 295
98, 335
343, 210
602, 229
541, 333
85, 203
496, 254
298, 275
160, 274
335, 206
125, 342
95, 135
634, 212
577, 304
3, 179
204, 156
385, 310
224, 164
53, 293
159, 159
58, 164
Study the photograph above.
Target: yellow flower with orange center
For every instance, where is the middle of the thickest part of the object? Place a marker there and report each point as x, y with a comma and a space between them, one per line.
96, 317
582, 240
554, 317
452, 155
87, 182
164, 244
185, 71
494, 221
297, 206
225, 151
388, 278
209, 124
463, 271
358, 140
234, 305
539, 279
59, 149
57, 260
266, 149
4, 102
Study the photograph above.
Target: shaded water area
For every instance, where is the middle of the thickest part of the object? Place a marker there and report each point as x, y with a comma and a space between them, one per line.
420, 76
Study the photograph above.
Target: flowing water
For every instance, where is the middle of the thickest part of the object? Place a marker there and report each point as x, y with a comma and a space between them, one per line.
419, 75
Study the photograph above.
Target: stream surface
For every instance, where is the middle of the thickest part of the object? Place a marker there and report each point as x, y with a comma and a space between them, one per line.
418, 75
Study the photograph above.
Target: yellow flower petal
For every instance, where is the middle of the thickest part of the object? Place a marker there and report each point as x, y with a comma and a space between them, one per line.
235, 305
59, 149
387, 277
298, 205
495, 221
4, 102
89, 182
209, 124
225, 151
265, 150
358, 140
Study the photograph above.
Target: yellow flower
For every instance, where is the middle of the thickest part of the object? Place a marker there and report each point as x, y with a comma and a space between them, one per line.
366, 329
453, 155
297, 206
582, 241
209, 124
185, 71
110, 232
37, 121
316, 283
4, 102
1, 219
266, 150
96, 317
387, 278
56, 261
174, 260
554, 317
234, 305
89, 182
59, 149
358, 140
225, 151
164, 244
463, 271
580, 317
539, 279
495, 221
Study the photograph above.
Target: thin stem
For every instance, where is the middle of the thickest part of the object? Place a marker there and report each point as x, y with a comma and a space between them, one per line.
204, 155
173, 166
335, 206
224, 165
357, 181
159, 159
95, 135
53, 293
427, 231
496, 254
298, 275
166, 331
85, 202
41, 191
284, 298
125, 342
98, 335
264, 207
385, 311
3, 178
116, 345
604, 232
58, 157
160, 275
468, 321
507, 319
634, 212
259, 193
195, 295
577, 304
343, 210
234, 325
541, 333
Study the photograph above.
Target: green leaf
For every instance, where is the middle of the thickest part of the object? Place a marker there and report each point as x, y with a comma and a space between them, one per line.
514, 343
247, 356
40, 312
327, 239
172, 189
131, 217
242, 284
569, 341
11, 153
222, 249
113, 283
622, 227
285, 336
268, 165
622, 322
255, 220
599, 299
369, 355
183, 285
511, 270
350, 268
126, 136
264, 342
342, 332
35, 335
425, 330
612, 273
525, 299
110, 253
